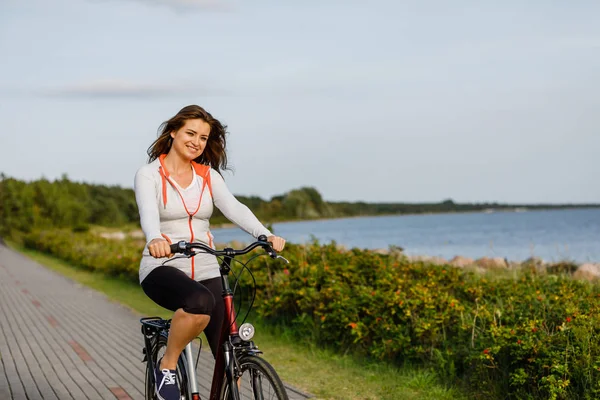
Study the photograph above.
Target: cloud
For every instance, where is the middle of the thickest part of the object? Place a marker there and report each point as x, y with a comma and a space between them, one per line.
191, 5
127, 89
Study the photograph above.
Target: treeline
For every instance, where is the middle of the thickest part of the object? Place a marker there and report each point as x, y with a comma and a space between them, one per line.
41, 204
447, 206
61, 203
307, 203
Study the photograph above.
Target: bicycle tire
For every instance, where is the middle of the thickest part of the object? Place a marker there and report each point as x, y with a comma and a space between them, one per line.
181, 372
257, 368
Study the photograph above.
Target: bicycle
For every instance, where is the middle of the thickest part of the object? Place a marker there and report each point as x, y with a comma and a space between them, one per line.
238, 356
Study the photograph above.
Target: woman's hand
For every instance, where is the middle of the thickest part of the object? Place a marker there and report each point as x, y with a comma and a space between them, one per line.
277, 242
159, 247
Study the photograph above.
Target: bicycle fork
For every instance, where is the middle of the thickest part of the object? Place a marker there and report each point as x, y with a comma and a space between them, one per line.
230, 371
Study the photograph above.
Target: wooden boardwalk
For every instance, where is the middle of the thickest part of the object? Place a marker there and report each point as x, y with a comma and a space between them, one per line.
60, 340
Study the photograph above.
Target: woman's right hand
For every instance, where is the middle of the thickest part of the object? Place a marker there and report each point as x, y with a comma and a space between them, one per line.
159, 247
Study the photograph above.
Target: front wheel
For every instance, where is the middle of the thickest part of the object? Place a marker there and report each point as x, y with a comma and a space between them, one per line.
258, 380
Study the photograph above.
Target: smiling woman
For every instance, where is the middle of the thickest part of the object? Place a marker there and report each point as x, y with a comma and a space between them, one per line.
198, 122
175, 193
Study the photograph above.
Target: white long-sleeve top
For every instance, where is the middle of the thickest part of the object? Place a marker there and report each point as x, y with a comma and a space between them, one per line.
171, 220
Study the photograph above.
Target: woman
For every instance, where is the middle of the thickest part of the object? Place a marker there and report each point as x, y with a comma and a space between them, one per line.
175, 193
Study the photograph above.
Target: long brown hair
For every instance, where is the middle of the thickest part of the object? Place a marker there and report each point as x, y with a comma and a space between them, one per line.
214, 153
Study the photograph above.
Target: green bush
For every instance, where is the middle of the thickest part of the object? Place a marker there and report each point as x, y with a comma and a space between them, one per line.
522, 335
89, 251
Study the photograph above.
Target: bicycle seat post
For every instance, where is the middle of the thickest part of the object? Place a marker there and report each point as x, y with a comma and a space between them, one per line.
191, 368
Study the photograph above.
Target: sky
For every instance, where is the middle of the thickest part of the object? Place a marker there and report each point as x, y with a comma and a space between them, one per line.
378, 101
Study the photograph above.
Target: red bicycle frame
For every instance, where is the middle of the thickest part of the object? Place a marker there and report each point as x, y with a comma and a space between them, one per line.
229, 328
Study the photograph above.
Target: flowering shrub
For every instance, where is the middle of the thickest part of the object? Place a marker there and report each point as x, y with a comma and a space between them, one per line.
524, 334
89, 251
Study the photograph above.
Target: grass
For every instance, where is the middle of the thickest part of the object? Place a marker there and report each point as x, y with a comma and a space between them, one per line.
318, 371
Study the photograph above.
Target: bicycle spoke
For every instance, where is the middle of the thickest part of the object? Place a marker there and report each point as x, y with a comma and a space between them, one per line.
258, 381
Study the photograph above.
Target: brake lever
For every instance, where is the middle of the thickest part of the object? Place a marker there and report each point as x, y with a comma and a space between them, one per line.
283, 258
189, 253
276, 256
273, 254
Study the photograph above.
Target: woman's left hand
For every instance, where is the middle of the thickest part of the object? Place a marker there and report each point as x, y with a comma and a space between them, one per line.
277, 242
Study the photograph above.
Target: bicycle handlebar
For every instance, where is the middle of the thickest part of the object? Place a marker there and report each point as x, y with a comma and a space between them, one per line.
186, 248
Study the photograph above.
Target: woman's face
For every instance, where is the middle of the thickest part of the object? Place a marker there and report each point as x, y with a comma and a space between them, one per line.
190, 140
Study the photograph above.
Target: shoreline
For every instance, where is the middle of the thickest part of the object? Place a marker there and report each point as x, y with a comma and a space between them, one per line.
557, 247
229, 225
589, 270
138, 234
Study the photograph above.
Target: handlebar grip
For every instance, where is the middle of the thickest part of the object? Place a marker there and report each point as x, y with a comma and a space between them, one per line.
175, 248
268, 247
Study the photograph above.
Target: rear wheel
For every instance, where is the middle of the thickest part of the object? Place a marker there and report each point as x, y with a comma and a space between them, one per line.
258, 381
158, 351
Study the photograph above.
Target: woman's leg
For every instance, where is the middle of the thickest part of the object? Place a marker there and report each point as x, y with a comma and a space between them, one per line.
191, 301
184, 328
213, 329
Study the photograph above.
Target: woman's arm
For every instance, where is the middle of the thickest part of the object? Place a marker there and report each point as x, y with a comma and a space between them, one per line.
145, 196
233, 210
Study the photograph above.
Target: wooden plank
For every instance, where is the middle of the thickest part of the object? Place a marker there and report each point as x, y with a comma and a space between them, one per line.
57, 359
18, 374
112, 369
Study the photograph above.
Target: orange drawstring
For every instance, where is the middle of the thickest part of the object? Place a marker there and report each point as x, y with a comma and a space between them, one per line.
164, 186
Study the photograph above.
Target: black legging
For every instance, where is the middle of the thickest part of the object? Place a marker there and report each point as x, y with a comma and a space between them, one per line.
172, 289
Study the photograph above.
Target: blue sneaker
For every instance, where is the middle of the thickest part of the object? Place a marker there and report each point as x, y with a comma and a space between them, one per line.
166, 386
